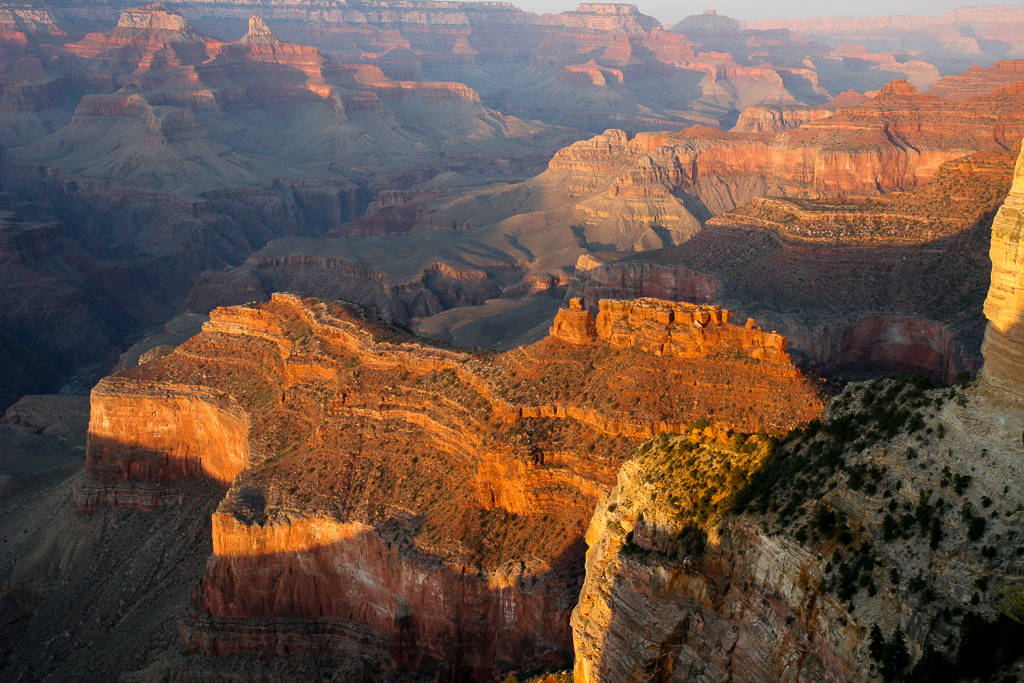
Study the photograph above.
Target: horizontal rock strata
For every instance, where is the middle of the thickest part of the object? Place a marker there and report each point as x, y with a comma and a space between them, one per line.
423, 501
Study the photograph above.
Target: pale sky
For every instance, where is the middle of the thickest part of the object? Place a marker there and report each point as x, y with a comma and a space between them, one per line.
671, 11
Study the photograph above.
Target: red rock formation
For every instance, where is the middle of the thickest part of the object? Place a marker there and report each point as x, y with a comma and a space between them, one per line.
423, 503
178, 432
851, 150
146, 45
574, 325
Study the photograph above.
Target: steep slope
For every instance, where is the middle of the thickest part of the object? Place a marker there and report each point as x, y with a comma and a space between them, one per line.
46, 307
420, 506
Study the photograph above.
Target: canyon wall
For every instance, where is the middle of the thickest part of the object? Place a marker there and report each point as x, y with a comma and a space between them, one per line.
903, 311
658, 606
421, 506
164, 432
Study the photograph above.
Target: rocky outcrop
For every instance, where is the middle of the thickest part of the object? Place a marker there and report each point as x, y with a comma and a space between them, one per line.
1004, 336
157, 433
387, 494
574, 324
775, 119
696, 568
664, 602
665, 328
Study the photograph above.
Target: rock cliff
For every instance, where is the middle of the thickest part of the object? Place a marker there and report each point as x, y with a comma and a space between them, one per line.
1004, 338
744, 559
389, 495
978, 81
775, 119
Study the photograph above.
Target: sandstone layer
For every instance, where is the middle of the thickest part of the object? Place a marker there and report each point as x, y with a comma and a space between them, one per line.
391, 496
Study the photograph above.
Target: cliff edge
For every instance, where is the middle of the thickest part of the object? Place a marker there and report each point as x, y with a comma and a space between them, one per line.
1004, 307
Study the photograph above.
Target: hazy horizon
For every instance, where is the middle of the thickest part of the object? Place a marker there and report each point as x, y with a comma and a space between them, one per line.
670, 12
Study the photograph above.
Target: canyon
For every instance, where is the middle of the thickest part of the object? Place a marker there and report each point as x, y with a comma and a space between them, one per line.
448, 341
156, 152
665, 214
386, 157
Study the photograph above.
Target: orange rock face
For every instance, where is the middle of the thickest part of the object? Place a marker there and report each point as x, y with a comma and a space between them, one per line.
422, 506
174, 432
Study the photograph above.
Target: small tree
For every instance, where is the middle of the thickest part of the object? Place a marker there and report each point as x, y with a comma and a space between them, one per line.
877, 645
895, 656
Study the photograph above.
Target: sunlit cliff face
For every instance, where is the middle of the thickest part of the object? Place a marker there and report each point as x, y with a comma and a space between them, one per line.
1004, 338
